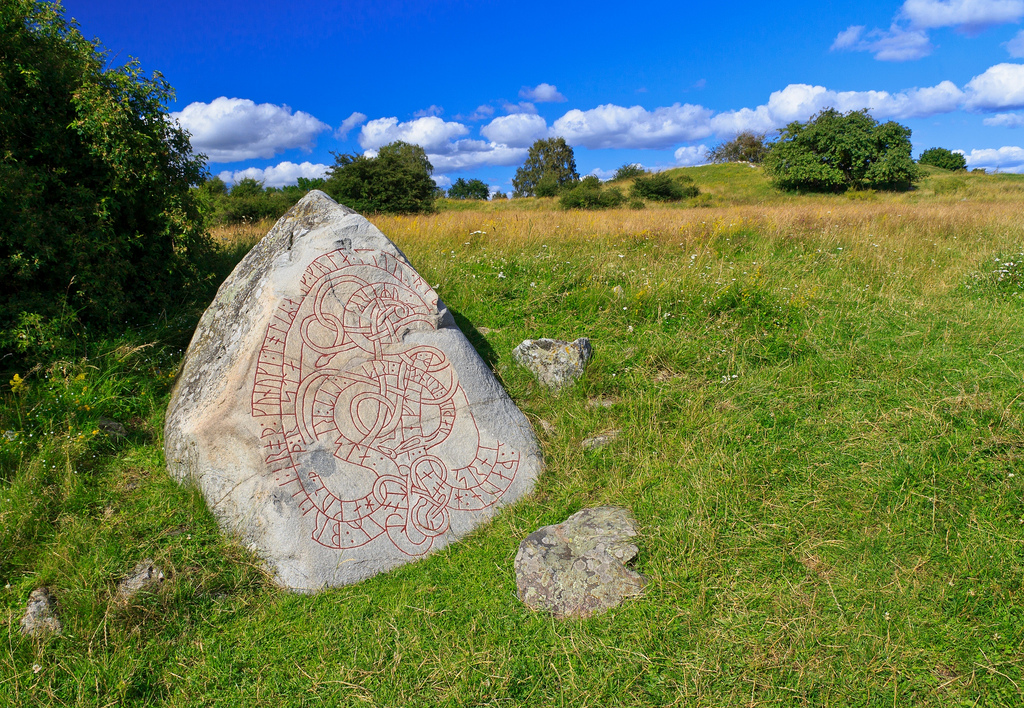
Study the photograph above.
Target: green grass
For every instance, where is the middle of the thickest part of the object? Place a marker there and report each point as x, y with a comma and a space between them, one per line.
823, 428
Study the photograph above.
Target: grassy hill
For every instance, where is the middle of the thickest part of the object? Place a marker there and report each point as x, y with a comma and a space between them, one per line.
821, 401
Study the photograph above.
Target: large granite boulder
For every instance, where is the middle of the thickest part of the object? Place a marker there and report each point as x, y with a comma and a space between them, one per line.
331, 412
578, 568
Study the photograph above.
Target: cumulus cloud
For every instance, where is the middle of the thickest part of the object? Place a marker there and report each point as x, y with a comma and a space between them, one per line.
348, 124
430, 132
966, 15
516, 130
1005, 120
611, 126
1000, 86
431, 111
1004, 159
801, 101
481, 113
279, 175
907, 37
894, 44
521, 107
442, 181
233, 129
542, 93
472, 154
692, 155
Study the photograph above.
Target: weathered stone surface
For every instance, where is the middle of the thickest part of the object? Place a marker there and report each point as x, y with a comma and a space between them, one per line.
40, 614
331, 412
577, 568
145, 576
554, 362
112, 428
599, 441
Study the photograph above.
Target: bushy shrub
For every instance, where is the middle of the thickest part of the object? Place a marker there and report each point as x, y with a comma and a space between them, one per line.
633, 169
473, 189
837, 151
397, 181
941, 157
499, 195
588, 194
96, 210
661, 187
745, 147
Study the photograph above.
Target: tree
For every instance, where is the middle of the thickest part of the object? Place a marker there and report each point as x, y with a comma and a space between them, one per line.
941, 157
96, 210
398, 180
473, 189
661, 187
633, 169
550, 165
745, 147
837, 151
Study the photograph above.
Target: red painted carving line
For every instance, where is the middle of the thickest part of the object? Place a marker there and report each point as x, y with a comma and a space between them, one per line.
333, 377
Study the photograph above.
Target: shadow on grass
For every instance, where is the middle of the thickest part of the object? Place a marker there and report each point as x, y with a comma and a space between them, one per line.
482, 346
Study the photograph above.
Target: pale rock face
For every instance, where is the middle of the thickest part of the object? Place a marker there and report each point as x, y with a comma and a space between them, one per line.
331, 412
555, 363
578, 568
40, 615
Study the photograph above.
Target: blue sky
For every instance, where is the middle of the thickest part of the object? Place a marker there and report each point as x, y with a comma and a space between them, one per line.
270, 89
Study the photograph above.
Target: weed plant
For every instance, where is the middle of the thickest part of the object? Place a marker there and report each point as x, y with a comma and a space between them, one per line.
822, 412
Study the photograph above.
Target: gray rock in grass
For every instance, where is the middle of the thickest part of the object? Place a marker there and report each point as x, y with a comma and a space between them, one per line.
40, 615
599, 441
145, 576
577, 568
555, 363
332, 413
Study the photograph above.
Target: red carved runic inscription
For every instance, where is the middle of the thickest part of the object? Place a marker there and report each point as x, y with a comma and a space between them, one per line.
370, 435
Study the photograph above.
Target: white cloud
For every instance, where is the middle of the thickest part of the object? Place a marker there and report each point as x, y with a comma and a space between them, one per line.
279, 175
480, 113
233, 129
521, 107
1015, 47
1005, 120
692, 155
542, 93
516, 130
967, 15
471, 154
430, 132
431, 111
603, 175
1004, 159
348, 124
611, 126
442, 181
894, 44
1000, 86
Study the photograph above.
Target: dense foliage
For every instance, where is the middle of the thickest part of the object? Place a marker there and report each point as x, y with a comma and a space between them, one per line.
550, 166
941, 157
662, 187
745, 147
396, 181
96, 213
632, 169
588, 194
248, 200
473, 189
836, 151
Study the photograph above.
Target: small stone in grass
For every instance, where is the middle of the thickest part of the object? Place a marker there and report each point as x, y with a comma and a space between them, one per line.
40, 614
599, 441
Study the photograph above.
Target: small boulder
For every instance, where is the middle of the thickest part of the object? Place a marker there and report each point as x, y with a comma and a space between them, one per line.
555, 363
112, 428
599, 441
145, 576
577, 568
40, 614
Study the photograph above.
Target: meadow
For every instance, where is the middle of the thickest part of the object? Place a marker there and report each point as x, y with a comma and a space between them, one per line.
821, 406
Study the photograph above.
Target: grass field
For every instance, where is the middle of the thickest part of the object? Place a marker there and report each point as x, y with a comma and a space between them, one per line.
821, 401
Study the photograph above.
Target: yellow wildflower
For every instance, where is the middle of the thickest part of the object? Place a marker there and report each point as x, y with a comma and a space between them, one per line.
17, 384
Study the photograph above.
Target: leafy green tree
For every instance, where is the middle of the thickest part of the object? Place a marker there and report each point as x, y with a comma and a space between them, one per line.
473, 189
661, 187
550, 165
588, 194
837, 151
941, 157
633, 169
398, 180
96, 210
745, 147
